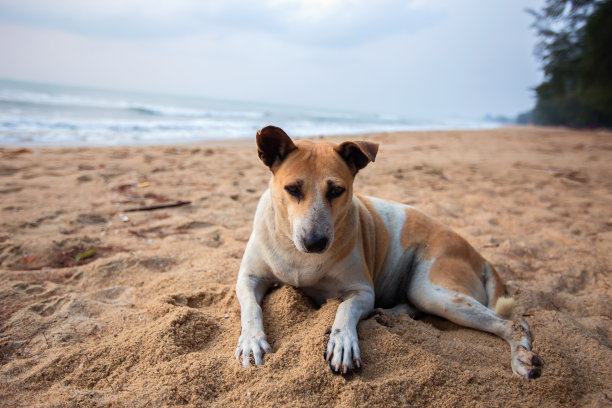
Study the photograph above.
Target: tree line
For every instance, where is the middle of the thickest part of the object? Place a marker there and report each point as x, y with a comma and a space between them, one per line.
575, 50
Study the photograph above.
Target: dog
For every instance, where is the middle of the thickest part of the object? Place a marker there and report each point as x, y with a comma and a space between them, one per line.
310, 231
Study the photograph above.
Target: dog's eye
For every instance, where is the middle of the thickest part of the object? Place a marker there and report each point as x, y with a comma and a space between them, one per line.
335, 191
294, 191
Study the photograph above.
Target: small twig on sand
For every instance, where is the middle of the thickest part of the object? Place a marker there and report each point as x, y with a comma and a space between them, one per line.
159, 206
110, 385
138, 234
46, 341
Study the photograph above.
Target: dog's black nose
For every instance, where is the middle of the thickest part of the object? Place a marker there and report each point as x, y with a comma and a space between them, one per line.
315, 243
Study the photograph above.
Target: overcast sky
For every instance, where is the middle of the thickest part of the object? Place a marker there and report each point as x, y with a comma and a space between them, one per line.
418, 58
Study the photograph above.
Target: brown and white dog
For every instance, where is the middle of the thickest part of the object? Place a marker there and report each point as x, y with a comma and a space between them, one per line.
310, 231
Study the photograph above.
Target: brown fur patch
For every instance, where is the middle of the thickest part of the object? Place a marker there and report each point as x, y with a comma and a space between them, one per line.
345, 231
375, 237
459, 276
435, 240
458, 267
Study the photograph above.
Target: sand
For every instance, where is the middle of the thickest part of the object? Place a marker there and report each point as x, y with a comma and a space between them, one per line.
151, 319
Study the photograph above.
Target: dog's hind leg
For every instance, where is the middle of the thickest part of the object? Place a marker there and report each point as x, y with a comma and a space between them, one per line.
456, 304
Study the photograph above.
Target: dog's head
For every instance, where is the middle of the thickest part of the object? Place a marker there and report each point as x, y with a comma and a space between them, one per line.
312, 184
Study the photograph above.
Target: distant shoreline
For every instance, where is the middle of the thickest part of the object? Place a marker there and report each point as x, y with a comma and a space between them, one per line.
33, 114
245, 140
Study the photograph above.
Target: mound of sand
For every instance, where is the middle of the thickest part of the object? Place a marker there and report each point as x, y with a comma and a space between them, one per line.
151, 318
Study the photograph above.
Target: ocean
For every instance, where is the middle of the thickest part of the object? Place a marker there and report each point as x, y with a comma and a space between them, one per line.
34, 114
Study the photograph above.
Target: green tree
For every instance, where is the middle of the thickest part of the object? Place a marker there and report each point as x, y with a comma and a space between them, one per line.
595, 82
575, 43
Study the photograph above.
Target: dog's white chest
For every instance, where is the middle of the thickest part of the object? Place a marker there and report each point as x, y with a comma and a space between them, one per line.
296, 273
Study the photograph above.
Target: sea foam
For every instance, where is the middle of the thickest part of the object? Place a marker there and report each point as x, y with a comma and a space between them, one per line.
40, 114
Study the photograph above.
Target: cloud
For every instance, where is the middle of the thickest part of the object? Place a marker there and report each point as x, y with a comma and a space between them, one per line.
314, 22
439, 58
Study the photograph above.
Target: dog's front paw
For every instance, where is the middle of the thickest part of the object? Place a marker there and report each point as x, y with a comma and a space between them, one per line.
252, 343
342, 351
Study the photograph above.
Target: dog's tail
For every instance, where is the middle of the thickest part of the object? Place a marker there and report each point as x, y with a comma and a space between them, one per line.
504, 306
499, 300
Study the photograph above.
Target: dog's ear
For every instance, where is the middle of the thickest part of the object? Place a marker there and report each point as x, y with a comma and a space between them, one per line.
357, 154
273, 145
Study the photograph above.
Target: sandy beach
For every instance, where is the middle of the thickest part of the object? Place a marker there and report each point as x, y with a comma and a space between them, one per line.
147, 316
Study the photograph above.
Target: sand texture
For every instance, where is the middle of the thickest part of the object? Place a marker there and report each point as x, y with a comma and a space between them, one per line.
151, 319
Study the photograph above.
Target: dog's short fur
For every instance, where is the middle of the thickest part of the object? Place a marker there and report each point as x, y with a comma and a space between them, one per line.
312, 232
